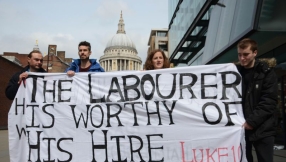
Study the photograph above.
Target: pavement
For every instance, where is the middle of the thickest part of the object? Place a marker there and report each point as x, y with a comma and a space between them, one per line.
279, 155
4, 146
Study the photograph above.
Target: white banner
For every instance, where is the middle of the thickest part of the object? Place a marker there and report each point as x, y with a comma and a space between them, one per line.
171, 115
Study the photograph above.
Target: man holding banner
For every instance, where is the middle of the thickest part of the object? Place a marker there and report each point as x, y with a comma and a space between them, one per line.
259, 91
35, 62
84, 64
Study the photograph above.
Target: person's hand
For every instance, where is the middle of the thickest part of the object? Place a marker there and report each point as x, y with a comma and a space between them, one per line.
22, 76
247, 126
70, 73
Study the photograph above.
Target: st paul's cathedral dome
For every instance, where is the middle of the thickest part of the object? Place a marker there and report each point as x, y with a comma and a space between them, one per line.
120, 52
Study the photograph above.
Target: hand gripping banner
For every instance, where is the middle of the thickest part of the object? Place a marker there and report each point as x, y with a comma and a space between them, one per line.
188, 114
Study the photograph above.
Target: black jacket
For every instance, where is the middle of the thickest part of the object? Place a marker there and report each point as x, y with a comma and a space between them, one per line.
12, 87
260, 100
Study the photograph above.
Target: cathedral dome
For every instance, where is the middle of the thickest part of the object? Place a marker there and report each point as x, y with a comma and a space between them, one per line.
120, 52
120, 40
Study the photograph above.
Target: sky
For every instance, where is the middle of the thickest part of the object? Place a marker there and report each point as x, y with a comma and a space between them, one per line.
65, 23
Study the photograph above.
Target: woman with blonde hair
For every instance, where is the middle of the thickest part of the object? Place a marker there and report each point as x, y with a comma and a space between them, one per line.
156, 60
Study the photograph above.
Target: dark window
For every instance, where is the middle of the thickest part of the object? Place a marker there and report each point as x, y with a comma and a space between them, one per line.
161, 34
163, 47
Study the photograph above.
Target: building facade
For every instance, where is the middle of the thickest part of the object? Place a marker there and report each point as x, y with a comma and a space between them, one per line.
55, 61
158, 39
7, 68
18, 58
207, 31
120, 52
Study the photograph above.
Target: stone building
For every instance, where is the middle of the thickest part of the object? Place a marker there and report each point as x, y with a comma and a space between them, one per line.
120, 52
158, 39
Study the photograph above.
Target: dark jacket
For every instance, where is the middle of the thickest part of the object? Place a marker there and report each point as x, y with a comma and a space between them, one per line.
260, 100
12, 87
95, 66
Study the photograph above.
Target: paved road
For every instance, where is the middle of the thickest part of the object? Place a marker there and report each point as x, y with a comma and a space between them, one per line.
4, 147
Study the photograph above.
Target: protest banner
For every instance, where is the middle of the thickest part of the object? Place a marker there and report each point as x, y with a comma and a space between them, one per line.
172, 115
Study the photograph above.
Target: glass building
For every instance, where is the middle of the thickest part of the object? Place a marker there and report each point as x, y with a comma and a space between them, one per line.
207, 31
